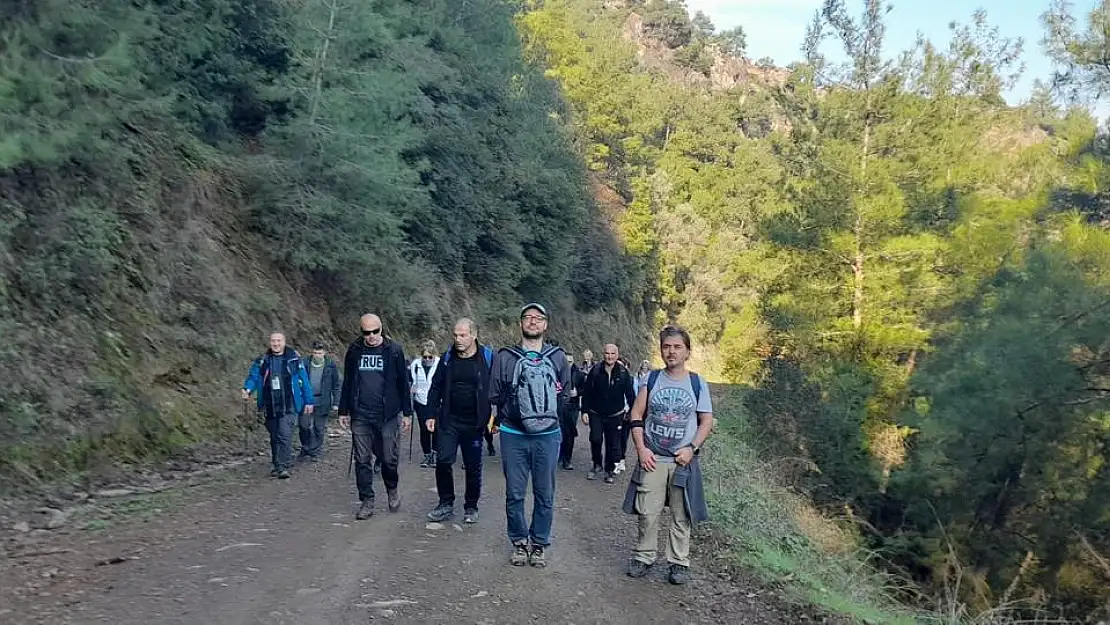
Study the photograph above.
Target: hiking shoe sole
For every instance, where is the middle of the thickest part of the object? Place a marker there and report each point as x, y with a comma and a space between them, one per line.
520, 556
470, 516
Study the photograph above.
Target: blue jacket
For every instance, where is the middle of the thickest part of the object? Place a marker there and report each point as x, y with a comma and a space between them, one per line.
295, 378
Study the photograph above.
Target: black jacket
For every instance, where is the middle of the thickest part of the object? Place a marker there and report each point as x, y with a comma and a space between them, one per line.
396, 391
606, 395
578, 383
439, 395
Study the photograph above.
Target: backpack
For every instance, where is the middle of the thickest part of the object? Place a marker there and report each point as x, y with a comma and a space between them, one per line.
695, 382
487, 353
535, 388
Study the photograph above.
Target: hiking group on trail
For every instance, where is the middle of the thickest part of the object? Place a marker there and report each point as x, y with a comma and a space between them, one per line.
532, 394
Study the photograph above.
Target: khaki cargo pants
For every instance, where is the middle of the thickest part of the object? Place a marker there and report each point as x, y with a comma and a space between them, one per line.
652, 492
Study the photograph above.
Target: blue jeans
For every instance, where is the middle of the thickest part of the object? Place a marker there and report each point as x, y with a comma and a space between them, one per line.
280, 428
521, 456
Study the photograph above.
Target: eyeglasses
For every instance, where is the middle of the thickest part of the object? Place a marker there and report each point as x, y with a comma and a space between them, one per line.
536, 318
373, 332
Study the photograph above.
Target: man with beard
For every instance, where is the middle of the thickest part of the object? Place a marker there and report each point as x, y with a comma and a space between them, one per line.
671, 418
528, 389
375, 393
459, 414
284, 393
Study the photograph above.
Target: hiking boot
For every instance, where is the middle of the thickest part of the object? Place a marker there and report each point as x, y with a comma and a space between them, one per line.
610, 478
637, 568
520, 554
594, 472
567, 466
394, 497
365, 511
678, 574
537, 557
424, 461
284, 474
441, 513
470, 515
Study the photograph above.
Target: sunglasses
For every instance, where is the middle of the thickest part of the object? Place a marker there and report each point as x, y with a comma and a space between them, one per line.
373, 332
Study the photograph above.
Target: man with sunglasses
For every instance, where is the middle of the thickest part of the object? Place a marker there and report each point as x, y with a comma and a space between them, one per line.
375, 392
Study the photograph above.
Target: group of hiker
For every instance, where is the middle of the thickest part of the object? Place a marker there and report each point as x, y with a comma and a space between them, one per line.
531, 393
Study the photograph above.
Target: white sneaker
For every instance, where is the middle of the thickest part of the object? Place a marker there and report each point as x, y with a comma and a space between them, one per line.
619, 468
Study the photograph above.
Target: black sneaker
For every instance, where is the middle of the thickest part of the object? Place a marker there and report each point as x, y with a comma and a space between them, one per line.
678, 574
594, 472
424, 462
470, 515
520, 554
394, 499
567, 466
610, 478
637, 568
284, 474
365, 511
537, 558
441, 513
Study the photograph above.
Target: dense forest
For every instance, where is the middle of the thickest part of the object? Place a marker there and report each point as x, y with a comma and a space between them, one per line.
180, 177
912, 274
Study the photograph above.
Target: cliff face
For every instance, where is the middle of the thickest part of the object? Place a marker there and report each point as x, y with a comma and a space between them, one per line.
726, 71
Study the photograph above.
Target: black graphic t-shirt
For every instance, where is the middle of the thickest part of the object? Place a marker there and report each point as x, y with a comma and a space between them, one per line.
371, 383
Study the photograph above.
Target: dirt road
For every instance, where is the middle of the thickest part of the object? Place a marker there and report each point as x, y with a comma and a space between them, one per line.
245, 548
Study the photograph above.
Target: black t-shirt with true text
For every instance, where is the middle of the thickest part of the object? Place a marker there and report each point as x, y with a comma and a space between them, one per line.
465, 379
371, 383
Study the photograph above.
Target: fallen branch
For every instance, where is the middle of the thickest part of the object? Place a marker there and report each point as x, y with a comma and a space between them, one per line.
116, 560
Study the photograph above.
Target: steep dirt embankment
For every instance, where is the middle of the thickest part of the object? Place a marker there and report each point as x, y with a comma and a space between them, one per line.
129, 303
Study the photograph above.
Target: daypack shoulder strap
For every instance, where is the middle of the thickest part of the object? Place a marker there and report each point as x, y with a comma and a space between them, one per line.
653, 377
446, 357
487, 353
695, 383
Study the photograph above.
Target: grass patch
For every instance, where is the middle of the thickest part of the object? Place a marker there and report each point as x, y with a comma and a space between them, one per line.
780, 536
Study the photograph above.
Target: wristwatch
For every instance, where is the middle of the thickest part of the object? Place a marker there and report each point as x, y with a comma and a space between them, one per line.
697, 450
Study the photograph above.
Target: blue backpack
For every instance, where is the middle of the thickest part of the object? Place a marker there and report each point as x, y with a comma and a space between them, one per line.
487, 354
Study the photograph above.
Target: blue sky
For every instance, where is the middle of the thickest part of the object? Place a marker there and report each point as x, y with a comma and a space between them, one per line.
776, 28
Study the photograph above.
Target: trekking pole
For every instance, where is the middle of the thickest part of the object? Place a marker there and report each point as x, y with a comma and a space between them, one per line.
351, 461
410, 439
246, 424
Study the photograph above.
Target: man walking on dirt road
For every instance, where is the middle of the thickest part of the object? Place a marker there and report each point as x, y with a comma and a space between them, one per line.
284, 393
326, 384
375, 392
460, 414
528, 389
607, 391
671, 418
